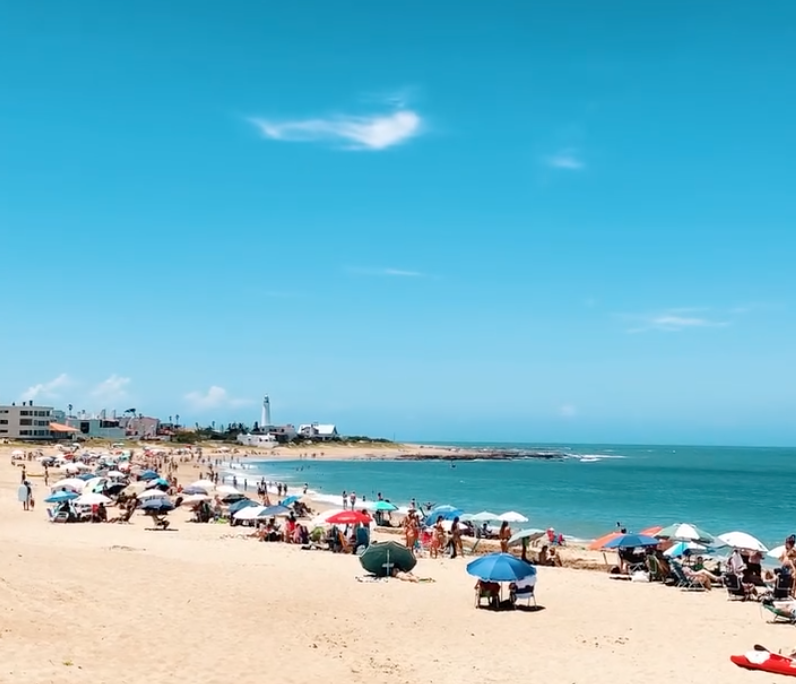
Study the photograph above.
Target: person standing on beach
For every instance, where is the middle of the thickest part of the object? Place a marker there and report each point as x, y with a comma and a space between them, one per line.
353, 500
456, 538
345, 500
504, 535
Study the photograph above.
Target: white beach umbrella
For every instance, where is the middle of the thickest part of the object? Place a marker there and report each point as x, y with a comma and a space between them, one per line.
17, 453
116, 474
196, 498
153, 494
124, 466
225, 489
82, 466
512, 517
685, 532
249, 513
92, 484
742, 540
203, 484
70, 468
776, 552
91, 499
71, 483
483, 516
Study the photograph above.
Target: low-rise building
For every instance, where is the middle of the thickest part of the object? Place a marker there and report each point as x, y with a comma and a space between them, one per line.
25, 421
319, 431
99, 427
282, 433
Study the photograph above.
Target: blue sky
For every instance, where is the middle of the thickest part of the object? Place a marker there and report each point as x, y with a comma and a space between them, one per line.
539, 221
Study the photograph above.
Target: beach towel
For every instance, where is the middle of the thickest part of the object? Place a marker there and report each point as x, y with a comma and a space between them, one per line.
370, 579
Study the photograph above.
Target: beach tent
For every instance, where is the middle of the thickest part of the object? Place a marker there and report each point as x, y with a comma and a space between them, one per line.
380, 558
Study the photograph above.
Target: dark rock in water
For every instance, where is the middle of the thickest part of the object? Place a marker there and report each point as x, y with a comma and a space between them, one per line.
487, 455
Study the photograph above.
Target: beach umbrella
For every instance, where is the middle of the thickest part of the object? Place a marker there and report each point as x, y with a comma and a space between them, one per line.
384, 507
86, 476
69, 483
600, 542
321, 519
381, 557
158, 482
444, 512
483, 516
777, 552
248, 513
116, 474
680, 548
156, 505
195, 499
530, 534
685, 532
512, 517
134, 488
207, 485
742, 540
349, 518
92, 499
148, 475
289, 501
231, 498
631, 541
188, 491
60, 497
239, 505
500, 567
151, 494
276, 512
652, 531
227, 489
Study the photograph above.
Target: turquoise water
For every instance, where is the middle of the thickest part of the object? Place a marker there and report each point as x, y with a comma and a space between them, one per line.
720, 489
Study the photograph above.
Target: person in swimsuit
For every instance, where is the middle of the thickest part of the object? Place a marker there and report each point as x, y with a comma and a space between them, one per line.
504, 535
437, 538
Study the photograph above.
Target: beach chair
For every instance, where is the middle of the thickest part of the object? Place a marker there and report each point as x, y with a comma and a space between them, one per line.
782, 587
654, 569
736, 591
780, 615
489, 591
683, 582
524, 593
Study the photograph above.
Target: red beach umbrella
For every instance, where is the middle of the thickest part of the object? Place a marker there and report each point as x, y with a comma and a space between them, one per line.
349, 518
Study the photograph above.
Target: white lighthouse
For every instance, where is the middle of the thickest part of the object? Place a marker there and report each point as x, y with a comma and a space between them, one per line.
265, 416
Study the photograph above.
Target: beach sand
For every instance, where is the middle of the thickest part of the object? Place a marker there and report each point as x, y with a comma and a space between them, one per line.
113, 603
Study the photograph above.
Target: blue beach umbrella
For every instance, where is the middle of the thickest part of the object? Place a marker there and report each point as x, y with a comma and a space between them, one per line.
188, 491
444, 512
158, 505
240, 505
631, 541
500, 567
289, 500
274, 511
86, 477
149, 475
158, 482
60, 497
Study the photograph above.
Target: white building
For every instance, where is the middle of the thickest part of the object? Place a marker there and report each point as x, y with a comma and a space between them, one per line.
318, 431
262, 441
98, 426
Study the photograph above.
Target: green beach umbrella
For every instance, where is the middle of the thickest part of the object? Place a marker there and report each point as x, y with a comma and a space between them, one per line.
685, 532
529, 534
380, 558
384, 506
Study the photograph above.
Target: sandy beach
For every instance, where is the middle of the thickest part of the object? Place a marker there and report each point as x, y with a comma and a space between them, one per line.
113, 603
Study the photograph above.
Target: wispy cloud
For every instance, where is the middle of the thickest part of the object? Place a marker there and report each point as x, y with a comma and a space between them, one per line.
113, 388
368, 132
388, 272
214, 397
46, 390
566, 160
568, 411
674, 320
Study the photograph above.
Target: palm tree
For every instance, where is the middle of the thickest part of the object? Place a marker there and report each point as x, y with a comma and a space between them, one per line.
170, 421
176, 420
69, 408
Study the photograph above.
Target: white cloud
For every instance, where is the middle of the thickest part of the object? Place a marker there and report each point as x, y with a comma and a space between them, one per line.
567, 160
112, 388
215, 397
46, 390
568, 411
374, 132
674, 320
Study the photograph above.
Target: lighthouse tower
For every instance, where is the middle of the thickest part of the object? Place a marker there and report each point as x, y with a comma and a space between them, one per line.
265, 416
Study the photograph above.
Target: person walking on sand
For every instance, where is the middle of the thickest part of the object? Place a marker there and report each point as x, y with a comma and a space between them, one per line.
504, 535
345, 500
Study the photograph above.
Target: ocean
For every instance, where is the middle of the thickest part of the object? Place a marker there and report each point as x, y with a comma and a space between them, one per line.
720, 489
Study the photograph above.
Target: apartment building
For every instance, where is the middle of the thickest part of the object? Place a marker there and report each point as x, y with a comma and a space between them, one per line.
25, 421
